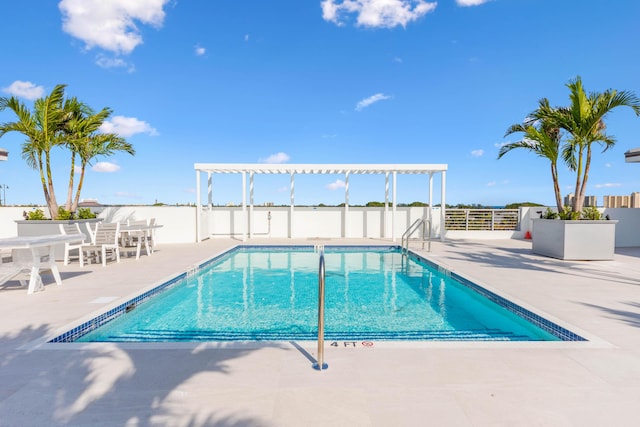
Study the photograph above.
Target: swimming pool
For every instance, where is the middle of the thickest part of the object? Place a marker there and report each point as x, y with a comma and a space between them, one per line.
270, 293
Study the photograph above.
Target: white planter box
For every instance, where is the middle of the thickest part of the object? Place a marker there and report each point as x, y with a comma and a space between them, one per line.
574, 240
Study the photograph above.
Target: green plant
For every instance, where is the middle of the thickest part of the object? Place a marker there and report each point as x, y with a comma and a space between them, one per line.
549, 214
34, 215
64, 214
591, 213
567, 214
85, 213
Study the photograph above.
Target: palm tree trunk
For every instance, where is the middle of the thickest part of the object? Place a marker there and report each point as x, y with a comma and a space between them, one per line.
52, 203
68, 206
577, 195
583, 188
556, 187
80, 182
47, 198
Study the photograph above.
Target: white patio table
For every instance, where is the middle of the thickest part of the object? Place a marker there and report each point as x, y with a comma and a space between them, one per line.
28, 253
141, 232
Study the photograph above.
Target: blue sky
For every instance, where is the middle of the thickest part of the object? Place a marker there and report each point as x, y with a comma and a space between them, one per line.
332, 81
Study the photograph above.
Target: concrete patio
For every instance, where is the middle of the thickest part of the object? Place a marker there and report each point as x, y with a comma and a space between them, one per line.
594, 383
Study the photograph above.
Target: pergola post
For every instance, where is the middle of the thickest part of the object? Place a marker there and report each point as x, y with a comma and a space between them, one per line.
209, 189
346, 204
393, 209
430, 199
251, 204
443, 206
292, 195
244, 206
198, 201
386, 206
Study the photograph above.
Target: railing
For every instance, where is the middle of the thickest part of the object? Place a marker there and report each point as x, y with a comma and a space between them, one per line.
482, 219
320, 365
412, 229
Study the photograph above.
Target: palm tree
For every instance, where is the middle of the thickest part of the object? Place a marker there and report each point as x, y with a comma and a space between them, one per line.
42, 128
59, 122
542, 137
584, 122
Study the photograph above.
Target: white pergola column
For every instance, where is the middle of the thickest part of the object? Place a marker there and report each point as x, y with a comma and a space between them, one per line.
251, 204
292, 195
244, 206
431, 198
209, 189
386, 206
346, 205
443, 205
393, 210
198, 202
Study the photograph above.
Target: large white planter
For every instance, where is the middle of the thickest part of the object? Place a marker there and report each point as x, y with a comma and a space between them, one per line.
574, 240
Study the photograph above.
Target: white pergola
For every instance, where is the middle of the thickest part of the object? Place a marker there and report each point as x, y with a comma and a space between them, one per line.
388, 170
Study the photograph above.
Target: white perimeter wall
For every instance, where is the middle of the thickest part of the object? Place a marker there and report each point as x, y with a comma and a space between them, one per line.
179, 222
311, 222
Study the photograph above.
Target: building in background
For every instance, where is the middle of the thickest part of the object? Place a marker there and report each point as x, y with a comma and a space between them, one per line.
588, 200
617, 201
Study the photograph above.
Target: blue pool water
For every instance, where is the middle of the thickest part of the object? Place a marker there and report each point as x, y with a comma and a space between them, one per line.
271, 293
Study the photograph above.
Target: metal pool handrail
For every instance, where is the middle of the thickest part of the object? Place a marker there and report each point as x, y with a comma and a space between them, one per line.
320, 365
412, 229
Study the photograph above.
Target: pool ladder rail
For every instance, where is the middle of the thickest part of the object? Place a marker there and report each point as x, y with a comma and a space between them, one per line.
320, 365
412, 229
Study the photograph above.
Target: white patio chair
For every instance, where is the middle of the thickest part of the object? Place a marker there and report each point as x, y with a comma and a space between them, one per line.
107, 236
73, 246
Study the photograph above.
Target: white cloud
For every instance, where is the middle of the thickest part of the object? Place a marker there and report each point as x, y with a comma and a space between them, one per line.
466, 3
105, 167
371, 100
477, 153
110, 25
376, 13
199, 50
276, 158
608, 185
246, 37
127, 126
104, 61
397, 60
608, 165
491, 184
25, 90
336, 185
501, 144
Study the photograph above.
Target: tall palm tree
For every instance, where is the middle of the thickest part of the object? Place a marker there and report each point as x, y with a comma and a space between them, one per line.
542, 137
75, 113
42, 129
584, 122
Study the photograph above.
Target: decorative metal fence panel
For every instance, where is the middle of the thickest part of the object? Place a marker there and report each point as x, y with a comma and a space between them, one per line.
482, 219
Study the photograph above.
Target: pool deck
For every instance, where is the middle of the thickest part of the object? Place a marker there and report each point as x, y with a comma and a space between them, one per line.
594, 383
